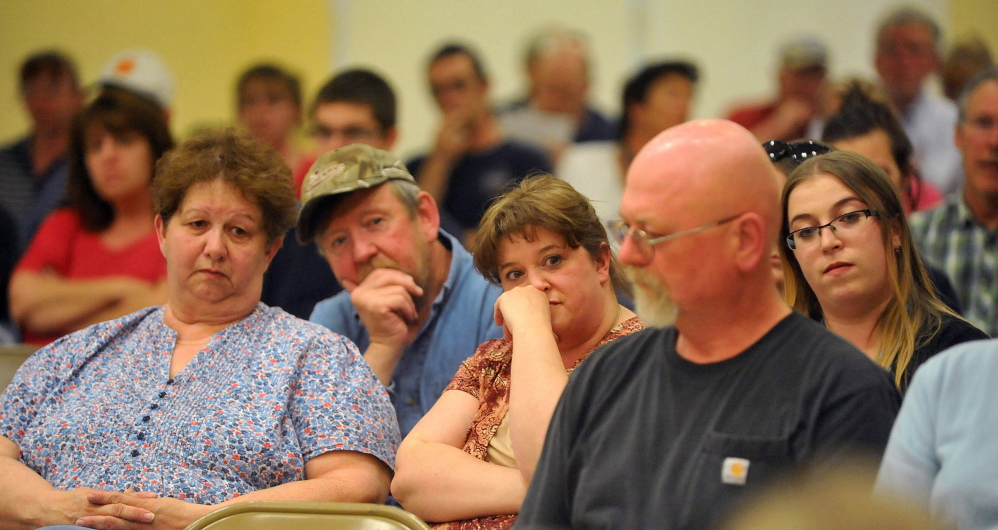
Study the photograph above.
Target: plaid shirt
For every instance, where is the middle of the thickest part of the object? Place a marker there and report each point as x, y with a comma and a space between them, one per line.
950, 238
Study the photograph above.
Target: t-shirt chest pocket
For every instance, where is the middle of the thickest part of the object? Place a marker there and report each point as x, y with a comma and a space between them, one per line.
736, 460
727, 467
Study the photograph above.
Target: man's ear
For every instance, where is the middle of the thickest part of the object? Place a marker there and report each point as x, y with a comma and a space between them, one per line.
749, 241
428, 215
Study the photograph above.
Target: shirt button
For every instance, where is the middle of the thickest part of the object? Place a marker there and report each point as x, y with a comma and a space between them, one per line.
162, 394
154, 406
141, 436
135, 452
145, 418
169, 381
411, 402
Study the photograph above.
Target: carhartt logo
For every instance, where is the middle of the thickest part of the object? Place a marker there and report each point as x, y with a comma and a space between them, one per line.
734, 471
324, 175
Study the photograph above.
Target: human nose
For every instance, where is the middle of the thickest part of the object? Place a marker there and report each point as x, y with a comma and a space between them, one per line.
631, 252
828, 237
539, 281
214, 245
364, 247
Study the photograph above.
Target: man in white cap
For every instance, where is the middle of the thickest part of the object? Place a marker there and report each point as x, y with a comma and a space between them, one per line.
142, 72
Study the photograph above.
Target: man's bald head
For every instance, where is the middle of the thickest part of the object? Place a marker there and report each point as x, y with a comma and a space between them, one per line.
707, 168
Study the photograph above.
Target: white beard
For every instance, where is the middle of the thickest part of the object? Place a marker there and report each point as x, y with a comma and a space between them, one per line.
653, 303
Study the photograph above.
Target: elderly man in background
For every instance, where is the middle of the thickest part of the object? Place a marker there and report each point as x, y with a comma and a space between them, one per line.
908, 52
669, 427
961, 235
556, 111
413, 302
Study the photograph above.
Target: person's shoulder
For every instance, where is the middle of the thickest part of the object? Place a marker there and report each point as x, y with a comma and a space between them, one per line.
491, 352
282, 322
939, 107
807, 347
961, 365
523, 151
109, 331
749, 113
66, 218
283, 327
580, 154
333, 309
957, 330
629, 351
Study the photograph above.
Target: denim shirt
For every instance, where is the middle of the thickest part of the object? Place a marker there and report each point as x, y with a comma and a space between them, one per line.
460, 319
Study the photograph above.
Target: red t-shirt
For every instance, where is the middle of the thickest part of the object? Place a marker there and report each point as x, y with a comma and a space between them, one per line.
63, 246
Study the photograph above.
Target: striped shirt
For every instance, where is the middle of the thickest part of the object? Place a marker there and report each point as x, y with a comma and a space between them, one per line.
950, 238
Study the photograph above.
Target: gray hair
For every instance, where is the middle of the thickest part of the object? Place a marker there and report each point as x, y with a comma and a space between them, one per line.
988, 74
555, 38
908, 15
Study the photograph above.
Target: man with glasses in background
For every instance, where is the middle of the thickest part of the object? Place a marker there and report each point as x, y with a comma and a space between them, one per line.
908, 52
961, 235
669, 427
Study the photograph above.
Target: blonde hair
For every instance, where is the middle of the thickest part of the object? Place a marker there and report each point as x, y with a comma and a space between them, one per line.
914, 313
542, 201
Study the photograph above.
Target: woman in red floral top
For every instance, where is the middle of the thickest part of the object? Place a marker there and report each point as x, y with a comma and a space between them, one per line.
468, 462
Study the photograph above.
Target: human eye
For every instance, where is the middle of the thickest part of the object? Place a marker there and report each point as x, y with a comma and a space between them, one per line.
850, 218
553, 260
322, 132
240, 232
376, 224
355, 133
806, 233
513, 275
197, 223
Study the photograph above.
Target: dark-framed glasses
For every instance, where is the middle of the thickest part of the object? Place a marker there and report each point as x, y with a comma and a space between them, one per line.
841, 225
797, 151
646, 242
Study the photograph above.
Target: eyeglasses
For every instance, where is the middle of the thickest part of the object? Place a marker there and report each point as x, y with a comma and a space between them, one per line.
645, 242
349, 134
843, 224
796, 151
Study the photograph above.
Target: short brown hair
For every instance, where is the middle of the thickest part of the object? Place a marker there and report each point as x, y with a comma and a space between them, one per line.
253, 168
51, 63
541, 201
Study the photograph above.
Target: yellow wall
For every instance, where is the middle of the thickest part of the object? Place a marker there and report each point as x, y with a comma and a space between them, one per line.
207, 43
975, 16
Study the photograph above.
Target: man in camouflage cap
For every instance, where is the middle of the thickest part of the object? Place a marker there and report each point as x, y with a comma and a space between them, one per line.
414, 304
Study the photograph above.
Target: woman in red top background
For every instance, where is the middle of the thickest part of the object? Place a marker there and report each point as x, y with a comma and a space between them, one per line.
98, 257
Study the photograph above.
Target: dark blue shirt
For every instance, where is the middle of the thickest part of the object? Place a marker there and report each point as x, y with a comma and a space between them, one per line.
480, 177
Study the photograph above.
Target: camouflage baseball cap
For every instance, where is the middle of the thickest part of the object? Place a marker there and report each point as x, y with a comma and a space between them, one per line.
350, 168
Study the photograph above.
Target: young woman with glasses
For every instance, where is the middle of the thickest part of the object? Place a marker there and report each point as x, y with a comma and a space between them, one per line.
850, 262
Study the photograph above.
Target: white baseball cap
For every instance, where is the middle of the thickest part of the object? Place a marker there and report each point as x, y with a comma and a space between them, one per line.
142, 71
